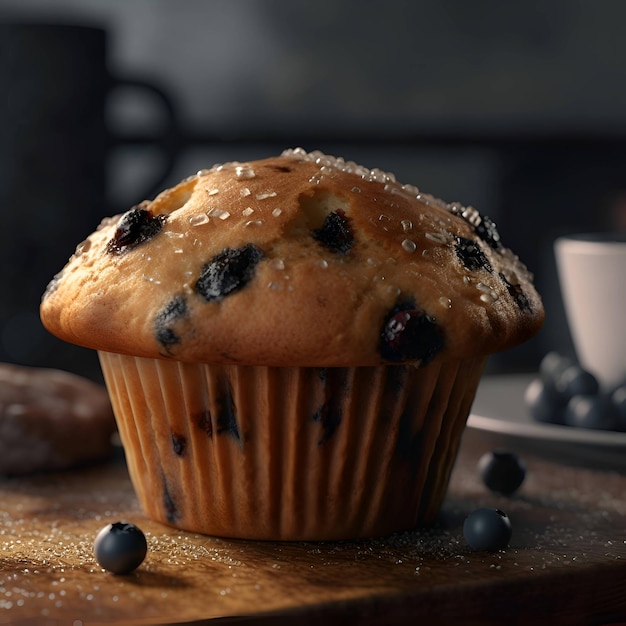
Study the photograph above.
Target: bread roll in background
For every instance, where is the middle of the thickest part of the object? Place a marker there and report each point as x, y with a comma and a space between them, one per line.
292, 345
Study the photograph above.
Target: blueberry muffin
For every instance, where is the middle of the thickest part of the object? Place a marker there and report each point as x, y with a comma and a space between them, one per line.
292, 345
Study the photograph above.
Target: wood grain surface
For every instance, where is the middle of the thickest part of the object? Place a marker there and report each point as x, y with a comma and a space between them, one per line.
566, 563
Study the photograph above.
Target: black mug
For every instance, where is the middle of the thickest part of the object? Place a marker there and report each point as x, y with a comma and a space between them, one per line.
55, 146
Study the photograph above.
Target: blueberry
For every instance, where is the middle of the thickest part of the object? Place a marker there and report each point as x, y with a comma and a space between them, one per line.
596, 412
487, 529
135, 227
618, 397
544, 402
553, 365
502, 472
228, 272
204, 422
471, 254
335, 234
488, 232
329, 419
227, 414
575, 381
179, 444
517, 293
120, 547
409, 334
573, 395
172, 514
167, 318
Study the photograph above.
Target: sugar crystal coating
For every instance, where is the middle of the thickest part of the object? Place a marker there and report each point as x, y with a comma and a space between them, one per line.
353, 240
409, 245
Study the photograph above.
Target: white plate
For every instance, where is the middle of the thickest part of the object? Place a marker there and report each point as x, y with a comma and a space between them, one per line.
499, 409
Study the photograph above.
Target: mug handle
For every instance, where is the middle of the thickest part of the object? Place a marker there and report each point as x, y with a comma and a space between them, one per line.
168, 140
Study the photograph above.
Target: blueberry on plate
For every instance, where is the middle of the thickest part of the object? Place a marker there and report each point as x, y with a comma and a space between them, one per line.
597, 412
502, 472
487, 529
120, 547
575, 381
618, 397
544, 402
553, 365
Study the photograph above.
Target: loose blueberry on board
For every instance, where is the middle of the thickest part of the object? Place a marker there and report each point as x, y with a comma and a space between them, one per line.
597, 412
487, 529
544, 402
502, 472
134, 228
120, 547
409, 334
228, 272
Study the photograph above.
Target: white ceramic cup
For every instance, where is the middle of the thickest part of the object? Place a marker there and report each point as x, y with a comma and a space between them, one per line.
592, 276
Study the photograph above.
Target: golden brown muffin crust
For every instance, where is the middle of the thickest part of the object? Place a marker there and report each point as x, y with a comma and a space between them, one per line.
301, 259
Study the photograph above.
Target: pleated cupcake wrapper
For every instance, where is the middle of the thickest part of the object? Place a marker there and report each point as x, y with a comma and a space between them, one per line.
290, 453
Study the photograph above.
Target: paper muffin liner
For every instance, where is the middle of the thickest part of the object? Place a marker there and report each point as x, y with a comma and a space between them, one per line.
288, 453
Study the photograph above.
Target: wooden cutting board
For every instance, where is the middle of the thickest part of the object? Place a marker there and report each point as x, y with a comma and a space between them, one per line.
566, 563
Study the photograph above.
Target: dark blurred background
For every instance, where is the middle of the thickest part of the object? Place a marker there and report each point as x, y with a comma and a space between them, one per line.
515, 108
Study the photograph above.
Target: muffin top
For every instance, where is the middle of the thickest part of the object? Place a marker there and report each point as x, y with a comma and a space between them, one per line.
299, 260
